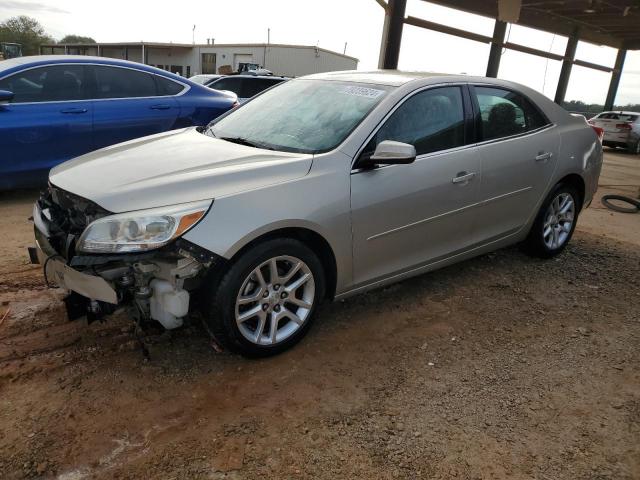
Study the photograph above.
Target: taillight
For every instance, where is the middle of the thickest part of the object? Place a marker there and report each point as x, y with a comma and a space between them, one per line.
237, 104
599, 132
623, 126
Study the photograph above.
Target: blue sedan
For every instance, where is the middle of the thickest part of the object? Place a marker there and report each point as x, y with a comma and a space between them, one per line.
54, 108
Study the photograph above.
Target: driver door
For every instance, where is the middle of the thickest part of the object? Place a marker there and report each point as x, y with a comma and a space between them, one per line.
406, 216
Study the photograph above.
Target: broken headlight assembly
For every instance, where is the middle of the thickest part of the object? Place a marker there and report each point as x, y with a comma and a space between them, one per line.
141, 230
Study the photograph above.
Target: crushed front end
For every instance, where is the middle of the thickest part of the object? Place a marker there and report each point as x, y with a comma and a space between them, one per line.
117, 262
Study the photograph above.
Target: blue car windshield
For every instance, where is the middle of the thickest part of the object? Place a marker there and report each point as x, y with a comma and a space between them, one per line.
306, 116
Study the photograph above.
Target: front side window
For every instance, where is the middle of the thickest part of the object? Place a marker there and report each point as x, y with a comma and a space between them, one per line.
504, 113
431, 120
114, 82
55, 83
307, 116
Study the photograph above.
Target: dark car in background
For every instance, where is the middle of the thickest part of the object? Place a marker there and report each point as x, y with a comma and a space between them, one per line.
245, 86
54, 108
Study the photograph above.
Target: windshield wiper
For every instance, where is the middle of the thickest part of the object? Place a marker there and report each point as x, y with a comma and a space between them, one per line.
243, 141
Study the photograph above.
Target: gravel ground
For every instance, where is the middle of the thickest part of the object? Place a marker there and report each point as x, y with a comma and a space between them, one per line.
502, 367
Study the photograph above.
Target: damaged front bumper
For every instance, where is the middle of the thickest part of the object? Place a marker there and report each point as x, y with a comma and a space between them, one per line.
154, 285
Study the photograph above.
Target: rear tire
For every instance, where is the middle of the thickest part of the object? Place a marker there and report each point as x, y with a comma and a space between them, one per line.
257, 313
555, 222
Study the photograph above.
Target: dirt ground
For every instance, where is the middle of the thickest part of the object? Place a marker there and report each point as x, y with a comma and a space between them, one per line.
502, 367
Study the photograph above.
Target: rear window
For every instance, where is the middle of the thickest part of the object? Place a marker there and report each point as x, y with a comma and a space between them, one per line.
228, 83
253, 86
618, 116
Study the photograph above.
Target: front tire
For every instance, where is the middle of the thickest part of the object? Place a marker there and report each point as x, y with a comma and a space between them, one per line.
266, 301
555, 223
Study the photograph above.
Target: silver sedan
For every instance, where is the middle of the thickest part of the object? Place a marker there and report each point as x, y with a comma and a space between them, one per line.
324, 187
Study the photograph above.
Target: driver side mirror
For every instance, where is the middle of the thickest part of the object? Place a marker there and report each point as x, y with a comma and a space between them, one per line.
390, 152
5, 97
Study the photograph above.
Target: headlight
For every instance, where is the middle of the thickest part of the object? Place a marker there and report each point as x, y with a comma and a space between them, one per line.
141, 230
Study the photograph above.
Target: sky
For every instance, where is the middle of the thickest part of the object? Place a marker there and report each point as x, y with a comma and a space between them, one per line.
329, 24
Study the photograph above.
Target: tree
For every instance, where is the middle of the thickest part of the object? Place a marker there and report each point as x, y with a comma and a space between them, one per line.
76, 39
26, 31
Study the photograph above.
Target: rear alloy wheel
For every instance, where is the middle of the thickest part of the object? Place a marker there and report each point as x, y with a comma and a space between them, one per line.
266, 301
559, 219
555, 222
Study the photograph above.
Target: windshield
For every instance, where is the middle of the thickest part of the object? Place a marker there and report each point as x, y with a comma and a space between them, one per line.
307, 116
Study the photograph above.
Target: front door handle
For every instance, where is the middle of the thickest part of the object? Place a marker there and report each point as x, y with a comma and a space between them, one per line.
463, 178
162, 106
543, 156
74, 110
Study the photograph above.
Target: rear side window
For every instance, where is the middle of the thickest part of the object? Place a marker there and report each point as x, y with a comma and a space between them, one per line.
229, 83
168, 87
504, 113
431, 120
55, 83
114, 82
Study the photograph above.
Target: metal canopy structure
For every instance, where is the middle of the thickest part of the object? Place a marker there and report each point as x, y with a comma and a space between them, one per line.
613, 23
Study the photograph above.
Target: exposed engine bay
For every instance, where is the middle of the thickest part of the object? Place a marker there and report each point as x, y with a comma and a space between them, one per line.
153, 285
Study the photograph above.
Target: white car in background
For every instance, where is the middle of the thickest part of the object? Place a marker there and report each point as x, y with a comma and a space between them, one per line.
204, 78
621, 129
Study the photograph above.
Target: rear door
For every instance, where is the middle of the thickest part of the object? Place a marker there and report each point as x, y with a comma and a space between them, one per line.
130, 104
48, 121
519, 153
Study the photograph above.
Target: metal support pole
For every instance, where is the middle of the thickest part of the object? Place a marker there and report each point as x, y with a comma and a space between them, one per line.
392, 34
567, 63
615, 79
499, 29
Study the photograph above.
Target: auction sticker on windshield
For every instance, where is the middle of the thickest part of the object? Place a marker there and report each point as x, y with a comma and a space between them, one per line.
361, 91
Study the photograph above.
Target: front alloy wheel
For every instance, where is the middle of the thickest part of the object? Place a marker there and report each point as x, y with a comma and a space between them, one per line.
265, 301
275, 300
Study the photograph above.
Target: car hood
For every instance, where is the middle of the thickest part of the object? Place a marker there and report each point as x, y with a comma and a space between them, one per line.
174, 167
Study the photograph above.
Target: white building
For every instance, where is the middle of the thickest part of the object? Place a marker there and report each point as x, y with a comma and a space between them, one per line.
188, 60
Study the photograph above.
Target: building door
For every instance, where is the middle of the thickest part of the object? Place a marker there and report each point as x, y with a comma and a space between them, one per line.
208, 63
239, 58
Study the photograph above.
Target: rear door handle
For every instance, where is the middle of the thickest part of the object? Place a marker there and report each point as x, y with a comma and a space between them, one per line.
463, 178
162, 106
74, 110
543, 156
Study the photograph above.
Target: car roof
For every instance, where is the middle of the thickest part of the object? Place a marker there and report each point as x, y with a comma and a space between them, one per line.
379, 77
35, 60
619, 112
277, 77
